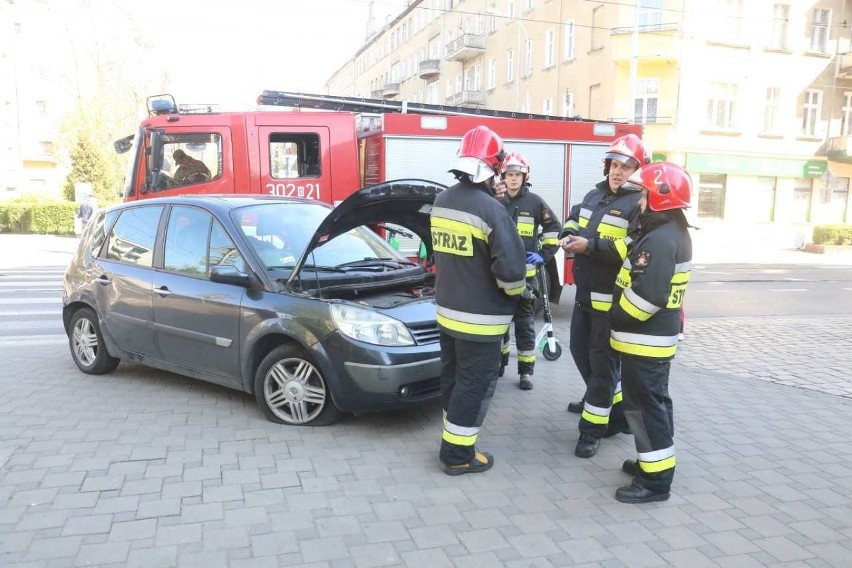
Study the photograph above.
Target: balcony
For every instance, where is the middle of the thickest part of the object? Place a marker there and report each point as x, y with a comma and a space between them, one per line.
378, 93
844, 66
465, 47
390, 90
840, 149
467, 98
429, 69
661, 45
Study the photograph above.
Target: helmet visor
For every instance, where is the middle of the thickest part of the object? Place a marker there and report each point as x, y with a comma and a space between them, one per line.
627, 160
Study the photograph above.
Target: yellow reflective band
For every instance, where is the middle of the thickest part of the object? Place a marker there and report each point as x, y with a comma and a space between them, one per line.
472, 328
583, 222
571, 225
449, 241
676, 296
549, 242
530, 272
459, 440
632, 309
657, 466
594, 418
515, 291
621, 247
526, 229
624, 280
526, 358
611, 231
618, 397
680, 278
506, 349
458, 227
642, 350
601, 306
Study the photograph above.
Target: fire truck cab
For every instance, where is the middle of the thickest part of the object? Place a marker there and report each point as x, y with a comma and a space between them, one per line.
327, 147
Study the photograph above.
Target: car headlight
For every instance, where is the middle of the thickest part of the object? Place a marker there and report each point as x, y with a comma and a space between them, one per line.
369, 326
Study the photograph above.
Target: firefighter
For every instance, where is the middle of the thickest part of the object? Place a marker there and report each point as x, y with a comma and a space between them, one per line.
596, 233
530, 213
645, 319
480, 268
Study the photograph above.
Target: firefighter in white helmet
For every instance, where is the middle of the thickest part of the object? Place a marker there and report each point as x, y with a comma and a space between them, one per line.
538, 228
480, 275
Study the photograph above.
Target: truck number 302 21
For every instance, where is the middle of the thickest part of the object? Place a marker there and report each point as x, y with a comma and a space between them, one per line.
309, 190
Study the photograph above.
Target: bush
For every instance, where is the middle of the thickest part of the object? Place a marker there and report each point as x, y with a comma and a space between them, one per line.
833, 234
46, 217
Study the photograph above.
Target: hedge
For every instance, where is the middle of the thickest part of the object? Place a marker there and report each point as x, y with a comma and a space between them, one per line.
833, 234
51, 217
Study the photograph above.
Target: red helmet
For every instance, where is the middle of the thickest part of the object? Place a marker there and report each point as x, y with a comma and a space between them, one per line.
480, 155
627, 149
669, 185
516, 162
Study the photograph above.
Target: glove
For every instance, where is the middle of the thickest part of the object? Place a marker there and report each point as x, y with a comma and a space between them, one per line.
529, 293
534, 258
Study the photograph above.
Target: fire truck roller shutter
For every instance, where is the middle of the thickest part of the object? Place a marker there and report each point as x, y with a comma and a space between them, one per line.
586, 170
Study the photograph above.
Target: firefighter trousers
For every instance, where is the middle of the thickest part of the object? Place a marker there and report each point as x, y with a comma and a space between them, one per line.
648, 409
598, 364
468, 378
524, 338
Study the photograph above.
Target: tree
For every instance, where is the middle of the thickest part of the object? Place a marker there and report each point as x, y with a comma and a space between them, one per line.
89, 164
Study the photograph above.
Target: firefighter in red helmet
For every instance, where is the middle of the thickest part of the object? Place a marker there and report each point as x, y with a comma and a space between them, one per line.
480, 275
538, 228
645, 319
596, 233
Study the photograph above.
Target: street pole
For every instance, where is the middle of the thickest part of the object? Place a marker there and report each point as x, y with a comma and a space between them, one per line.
634, 64
519, 68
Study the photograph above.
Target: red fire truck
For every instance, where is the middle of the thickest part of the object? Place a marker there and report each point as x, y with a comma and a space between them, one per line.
326, 147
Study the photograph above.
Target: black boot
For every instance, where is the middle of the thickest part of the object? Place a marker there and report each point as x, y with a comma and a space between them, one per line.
576, 407
587, 446
635, 493
526, 383
630, 467
482, 461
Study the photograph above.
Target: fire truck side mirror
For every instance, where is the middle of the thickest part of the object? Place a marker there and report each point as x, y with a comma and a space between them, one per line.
155, 153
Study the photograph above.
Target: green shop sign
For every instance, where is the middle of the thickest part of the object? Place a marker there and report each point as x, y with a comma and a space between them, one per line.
744, 165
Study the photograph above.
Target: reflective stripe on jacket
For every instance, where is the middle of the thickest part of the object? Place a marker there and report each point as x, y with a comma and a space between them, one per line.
479, 261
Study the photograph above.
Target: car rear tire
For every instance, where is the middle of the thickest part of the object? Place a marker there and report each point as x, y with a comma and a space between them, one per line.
87, 344
290, 389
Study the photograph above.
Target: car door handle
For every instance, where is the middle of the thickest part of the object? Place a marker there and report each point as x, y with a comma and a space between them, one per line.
163, 291
103, 279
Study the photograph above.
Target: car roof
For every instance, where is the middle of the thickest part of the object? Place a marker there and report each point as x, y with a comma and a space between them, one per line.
220, 202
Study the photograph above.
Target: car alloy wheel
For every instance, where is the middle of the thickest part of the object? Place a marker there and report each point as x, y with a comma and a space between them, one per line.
294, 391
87, 345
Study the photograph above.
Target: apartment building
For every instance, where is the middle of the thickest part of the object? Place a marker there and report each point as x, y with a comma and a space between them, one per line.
754, 97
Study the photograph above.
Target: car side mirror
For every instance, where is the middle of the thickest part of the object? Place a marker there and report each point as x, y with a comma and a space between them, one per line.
227, 274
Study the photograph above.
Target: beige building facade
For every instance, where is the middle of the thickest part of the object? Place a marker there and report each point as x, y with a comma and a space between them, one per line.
754, 97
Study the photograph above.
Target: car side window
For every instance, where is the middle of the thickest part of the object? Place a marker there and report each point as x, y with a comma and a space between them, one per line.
186, 241
190, 159
223, 251
133, 236
100, 228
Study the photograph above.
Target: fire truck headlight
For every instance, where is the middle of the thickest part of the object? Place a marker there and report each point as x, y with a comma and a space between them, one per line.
369, 326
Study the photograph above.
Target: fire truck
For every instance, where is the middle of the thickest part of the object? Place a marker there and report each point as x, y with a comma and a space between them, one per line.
326, 147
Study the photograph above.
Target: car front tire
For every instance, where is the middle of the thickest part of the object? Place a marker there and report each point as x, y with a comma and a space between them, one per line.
87, 344
290, 389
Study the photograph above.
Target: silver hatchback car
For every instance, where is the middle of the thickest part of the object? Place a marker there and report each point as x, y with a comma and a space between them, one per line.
291, 300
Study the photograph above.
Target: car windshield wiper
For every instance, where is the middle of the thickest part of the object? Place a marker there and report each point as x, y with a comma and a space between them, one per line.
376, 261
320, 268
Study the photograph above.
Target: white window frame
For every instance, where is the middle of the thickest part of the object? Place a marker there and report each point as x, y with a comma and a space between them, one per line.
820, 25
492, 18
492, 73
510, 65
549, 47
477, 76
547, 106
510, 9
771, 110
729, 20
846, 109
650, 15
647, 89
568, 104
780, 26
722, 105
811, 109
596, 35
570, 28
528, 58
529, 5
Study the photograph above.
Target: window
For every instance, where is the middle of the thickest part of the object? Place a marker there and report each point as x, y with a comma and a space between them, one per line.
41, 107
819, 30
510, 65
186, 241
294, 155
721, 105
569, 40
802, 197
846, 124
133, 235
596, 34
477, 77
763, 203
711, 195
780, 22
528, 58
223, 252
189, 159
645, 101
770, 110
492, 18
510, 9
547, 107
100, 229
492, 73
595, 103
46, 147
810, 112
549, 46
529, 5
568, 104
650, 15
728, 21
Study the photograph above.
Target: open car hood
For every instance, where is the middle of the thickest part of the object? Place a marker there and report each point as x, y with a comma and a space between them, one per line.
404, 202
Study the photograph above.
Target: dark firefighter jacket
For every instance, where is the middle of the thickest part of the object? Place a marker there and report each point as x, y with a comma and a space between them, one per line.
604, 219
530, 212
649, 290
479, 261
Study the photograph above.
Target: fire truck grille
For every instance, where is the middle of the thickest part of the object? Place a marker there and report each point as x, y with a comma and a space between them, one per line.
425, 333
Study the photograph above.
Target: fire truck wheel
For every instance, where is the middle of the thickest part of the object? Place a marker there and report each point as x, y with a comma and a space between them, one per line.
290, 389
551, 355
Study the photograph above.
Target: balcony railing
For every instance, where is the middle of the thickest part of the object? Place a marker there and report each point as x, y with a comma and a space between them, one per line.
467, 98
465, 47
844, 66
390, 90
429, 69
839, 149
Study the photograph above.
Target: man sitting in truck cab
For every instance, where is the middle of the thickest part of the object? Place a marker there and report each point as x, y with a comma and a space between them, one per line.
189, 169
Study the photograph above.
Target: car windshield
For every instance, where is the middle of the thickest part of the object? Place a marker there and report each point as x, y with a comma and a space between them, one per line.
279, 233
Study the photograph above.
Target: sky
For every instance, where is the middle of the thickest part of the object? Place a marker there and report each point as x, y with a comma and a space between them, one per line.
227, 52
